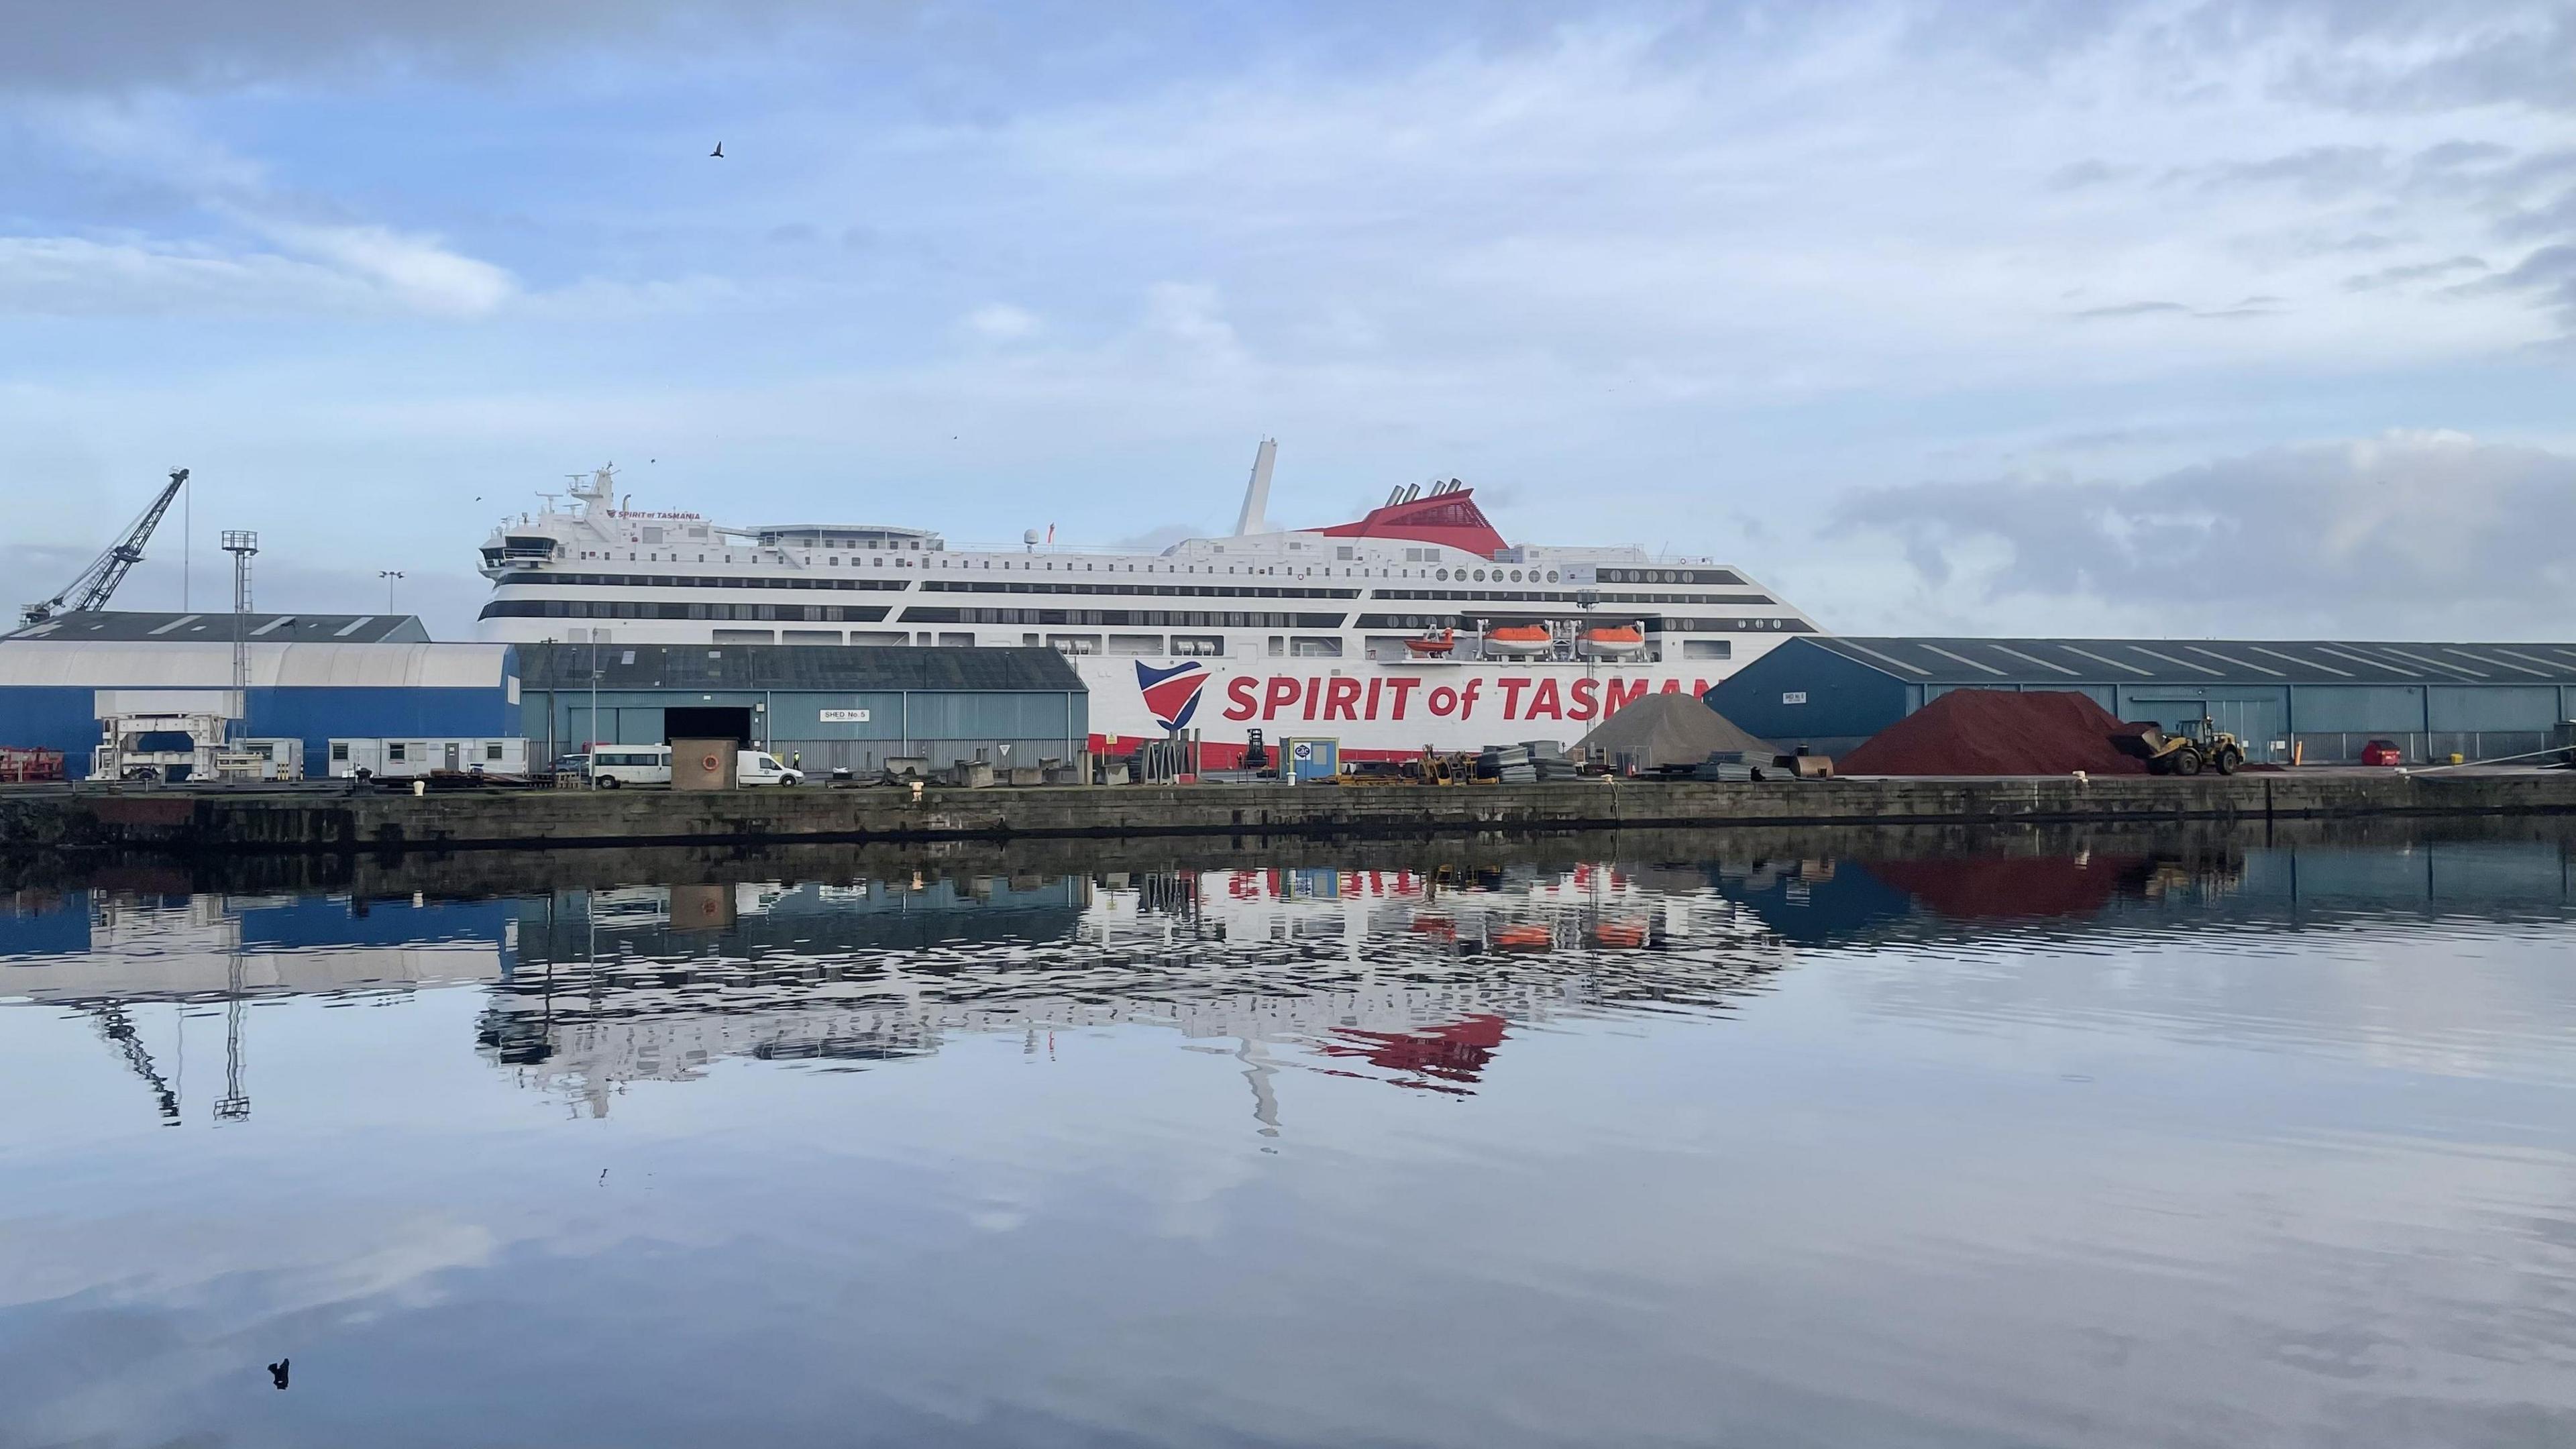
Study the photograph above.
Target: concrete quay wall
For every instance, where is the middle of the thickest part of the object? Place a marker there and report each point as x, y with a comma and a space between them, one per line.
229, 821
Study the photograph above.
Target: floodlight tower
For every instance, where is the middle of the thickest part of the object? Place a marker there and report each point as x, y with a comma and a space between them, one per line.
241, 543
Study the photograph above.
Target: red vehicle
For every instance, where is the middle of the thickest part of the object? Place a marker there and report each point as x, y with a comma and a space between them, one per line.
2382, 752
21, 766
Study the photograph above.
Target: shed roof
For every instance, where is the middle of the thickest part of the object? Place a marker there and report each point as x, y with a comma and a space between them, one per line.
796, 666
78, 663
2064, 662
119, 626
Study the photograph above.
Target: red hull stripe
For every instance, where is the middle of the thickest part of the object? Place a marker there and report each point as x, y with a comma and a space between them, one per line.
1216, 756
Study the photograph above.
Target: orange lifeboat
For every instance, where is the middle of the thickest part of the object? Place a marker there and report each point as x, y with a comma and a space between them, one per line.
1526, 936
1519, 639
1433, 644
1620, 935
1614, 639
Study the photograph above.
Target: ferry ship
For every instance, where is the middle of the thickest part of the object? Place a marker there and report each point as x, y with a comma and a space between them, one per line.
1415, 626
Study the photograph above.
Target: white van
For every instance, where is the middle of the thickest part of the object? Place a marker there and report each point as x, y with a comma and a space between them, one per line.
618, 765
759, 767
614, 765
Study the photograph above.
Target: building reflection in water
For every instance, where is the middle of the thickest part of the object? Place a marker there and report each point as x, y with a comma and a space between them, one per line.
1415, 975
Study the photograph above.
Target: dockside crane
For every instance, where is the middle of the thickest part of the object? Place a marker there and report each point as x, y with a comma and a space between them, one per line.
94, 585
119, 1032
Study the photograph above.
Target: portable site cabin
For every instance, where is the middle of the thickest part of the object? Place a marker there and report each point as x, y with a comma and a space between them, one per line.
390, 759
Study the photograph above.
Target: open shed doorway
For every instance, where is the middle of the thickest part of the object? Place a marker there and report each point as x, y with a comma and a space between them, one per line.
708, 722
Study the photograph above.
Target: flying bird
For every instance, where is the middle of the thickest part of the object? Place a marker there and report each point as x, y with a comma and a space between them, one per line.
277, 1372
718, 152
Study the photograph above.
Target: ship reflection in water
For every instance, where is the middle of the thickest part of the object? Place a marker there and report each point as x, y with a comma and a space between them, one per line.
1409, 976
2178, 1136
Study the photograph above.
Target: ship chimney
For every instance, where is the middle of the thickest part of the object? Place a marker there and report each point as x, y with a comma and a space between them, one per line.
1256, 494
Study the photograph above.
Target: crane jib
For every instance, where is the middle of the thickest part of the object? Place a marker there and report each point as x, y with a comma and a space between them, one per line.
96, 584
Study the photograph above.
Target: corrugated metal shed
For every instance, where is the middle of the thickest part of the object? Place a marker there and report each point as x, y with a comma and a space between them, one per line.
49, 662
823, 706
2056, 662
2318, 700
50, 685
790, 667
110, 626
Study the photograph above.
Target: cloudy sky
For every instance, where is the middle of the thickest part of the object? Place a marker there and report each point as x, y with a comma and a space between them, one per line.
2201, 317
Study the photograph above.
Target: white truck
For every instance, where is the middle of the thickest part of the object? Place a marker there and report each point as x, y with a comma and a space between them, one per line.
260, 759
501, 757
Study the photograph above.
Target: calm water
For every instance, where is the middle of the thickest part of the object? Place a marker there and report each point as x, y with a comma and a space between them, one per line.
2200, 1139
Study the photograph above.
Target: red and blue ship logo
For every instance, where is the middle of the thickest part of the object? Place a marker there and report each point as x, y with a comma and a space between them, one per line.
1172, 695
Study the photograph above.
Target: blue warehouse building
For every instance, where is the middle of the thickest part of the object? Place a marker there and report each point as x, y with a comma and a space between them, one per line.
2326, 697
311, 677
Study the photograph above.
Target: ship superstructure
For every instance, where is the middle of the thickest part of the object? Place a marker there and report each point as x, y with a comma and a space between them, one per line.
1418, 624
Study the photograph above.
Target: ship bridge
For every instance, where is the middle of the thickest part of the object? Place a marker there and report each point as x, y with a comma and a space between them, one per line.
857, 536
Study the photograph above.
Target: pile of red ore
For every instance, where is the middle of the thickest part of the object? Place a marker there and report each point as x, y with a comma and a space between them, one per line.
1999, 732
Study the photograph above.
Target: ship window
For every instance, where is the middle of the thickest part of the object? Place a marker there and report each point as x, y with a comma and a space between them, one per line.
1444, 573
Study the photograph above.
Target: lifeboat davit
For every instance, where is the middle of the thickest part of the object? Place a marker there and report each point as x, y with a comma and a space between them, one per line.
1519, 639
1615, 639
1433, 644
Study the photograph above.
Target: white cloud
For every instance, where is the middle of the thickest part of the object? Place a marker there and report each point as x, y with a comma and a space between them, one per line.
322, 266
415, 270
1669, 273
75, 277
1002, 322
2412, 534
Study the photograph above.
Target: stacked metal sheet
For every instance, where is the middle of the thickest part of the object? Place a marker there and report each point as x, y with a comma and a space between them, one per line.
1548, 760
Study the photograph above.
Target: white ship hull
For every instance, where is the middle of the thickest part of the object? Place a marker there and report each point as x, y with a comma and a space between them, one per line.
1415, 626
1374, 709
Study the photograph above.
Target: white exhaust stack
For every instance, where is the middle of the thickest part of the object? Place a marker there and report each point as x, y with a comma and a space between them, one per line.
1256, 494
